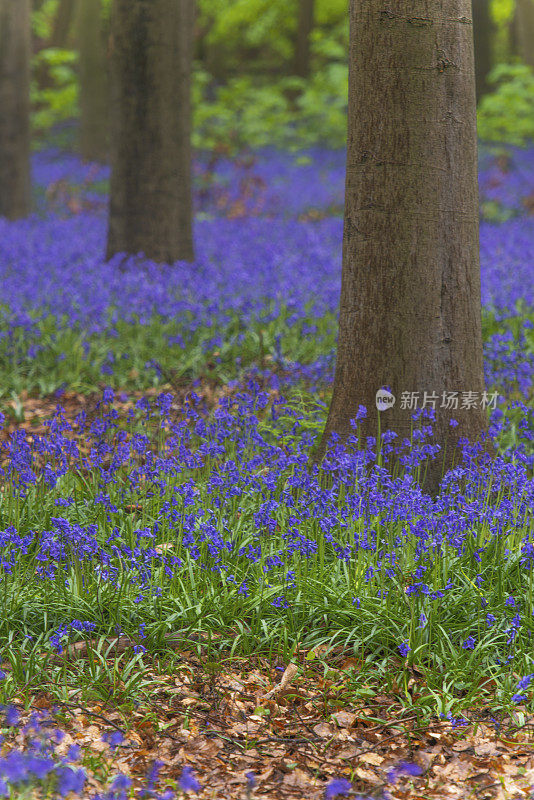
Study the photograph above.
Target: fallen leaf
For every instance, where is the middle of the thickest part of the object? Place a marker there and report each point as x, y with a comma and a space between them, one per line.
367, 775
296, 779
372, 758
486, 749
323, 730
345, 719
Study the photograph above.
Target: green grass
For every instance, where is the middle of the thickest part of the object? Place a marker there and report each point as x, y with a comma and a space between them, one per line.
70, 358
138, 357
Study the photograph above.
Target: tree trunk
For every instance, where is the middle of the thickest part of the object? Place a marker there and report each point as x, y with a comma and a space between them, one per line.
410, 310
304, 29
94, 99
62, 24
525, 30
483, 39
15, 53
513, 44
150, 198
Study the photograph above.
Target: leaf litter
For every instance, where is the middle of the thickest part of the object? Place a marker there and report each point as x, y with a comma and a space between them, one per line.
294, 730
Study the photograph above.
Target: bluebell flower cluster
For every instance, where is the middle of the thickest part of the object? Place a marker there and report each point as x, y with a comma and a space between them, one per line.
231, 495
35, 762
522, 685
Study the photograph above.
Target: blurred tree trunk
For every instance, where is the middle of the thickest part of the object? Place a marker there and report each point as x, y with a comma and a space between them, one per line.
15, 54
513, 46
525, 30
410, 309
150, 197
62, 24
482, 32
94, 91
304, 29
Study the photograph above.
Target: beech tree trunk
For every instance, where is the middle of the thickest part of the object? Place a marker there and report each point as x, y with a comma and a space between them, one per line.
150, 198
410, 309
62, 23
94, 99
482, 31
304, 29
525, 30
15, 53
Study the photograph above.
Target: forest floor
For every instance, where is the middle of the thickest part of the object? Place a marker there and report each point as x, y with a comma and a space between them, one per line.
296, 735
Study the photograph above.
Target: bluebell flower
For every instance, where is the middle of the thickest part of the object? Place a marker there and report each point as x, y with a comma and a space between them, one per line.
188, 782
338, 787
114, 739
403, 768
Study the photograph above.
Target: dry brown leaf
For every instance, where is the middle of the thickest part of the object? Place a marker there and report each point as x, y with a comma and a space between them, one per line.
323, 730
367, 775
345, 719
289, 675
372, 758
460, 747
350, 663
487, 749
296, 779
348, 752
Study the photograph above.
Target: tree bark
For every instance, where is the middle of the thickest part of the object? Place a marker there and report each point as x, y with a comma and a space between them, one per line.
304, 29
525, 30
150, 197
15, 54
62, 24
410, 309
482, 32
94, 91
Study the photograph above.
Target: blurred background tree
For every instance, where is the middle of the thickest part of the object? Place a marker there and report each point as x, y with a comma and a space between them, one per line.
91, 35
483, 38
525, 30
150, 204
14, 108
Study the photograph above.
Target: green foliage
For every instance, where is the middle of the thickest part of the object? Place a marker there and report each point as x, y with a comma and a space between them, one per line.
56, 100
244, 114
493, 211
137, 345
42, 19
197, 600
507, 114
502, 11
262, 32
248, 25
